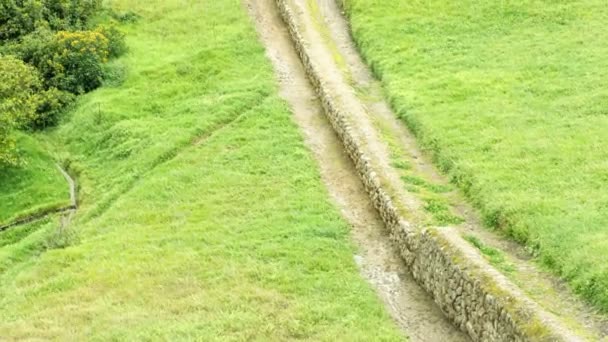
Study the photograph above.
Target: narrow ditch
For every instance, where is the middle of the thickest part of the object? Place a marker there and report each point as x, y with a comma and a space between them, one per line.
409, 305
67, 211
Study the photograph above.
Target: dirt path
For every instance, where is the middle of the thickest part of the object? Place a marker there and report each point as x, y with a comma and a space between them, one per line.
541, 286
347, 79
409, 305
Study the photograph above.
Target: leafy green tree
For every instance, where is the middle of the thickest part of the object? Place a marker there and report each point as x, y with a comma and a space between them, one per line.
19, 101
68, 60
21, 17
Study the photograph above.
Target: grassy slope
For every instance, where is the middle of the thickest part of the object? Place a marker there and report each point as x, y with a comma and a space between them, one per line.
34, 186
228, 238
512, 99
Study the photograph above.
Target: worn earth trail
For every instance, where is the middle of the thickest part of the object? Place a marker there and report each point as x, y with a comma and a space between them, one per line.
412, 309
327, 38
544, 288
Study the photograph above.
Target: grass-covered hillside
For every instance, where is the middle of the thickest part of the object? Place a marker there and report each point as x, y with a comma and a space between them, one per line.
50, 52
35, 186
202, 214
512, 100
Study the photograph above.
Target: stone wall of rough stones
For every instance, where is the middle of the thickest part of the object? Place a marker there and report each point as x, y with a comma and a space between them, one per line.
466, 294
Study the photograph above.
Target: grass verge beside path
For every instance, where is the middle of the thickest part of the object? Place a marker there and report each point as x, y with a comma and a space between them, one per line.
37, 185
203, 215
511, 99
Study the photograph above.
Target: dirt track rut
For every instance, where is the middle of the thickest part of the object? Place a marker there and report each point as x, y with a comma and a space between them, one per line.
408, 304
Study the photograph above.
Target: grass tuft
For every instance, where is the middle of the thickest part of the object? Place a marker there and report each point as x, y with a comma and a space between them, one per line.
493, 255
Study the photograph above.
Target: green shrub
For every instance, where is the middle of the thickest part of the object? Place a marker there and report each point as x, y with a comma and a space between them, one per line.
75, 61
32, 48
70, 14
19, 84
21, 17
116, 39
18, 18
51, 104
69, 61
127, 17
7, 144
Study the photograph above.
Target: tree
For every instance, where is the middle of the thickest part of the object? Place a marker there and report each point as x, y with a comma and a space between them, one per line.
21, 17
19, 100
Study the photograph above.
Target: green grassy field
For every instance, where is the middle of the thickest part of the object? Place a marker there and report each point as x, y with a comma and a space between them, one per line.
202, 215
34, 186
511, 98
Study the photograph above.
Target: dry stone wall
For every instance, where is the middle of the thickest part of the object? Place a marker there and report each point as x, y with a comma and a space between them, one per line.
478, 301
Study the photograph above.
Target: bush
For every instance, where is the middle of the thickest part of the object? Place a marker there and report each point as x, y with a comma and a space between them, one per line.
116, 39
33, 48
19, 85
50, 105
21, 17
69, 61
69, 14
127, 17
75, 62
18, 18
